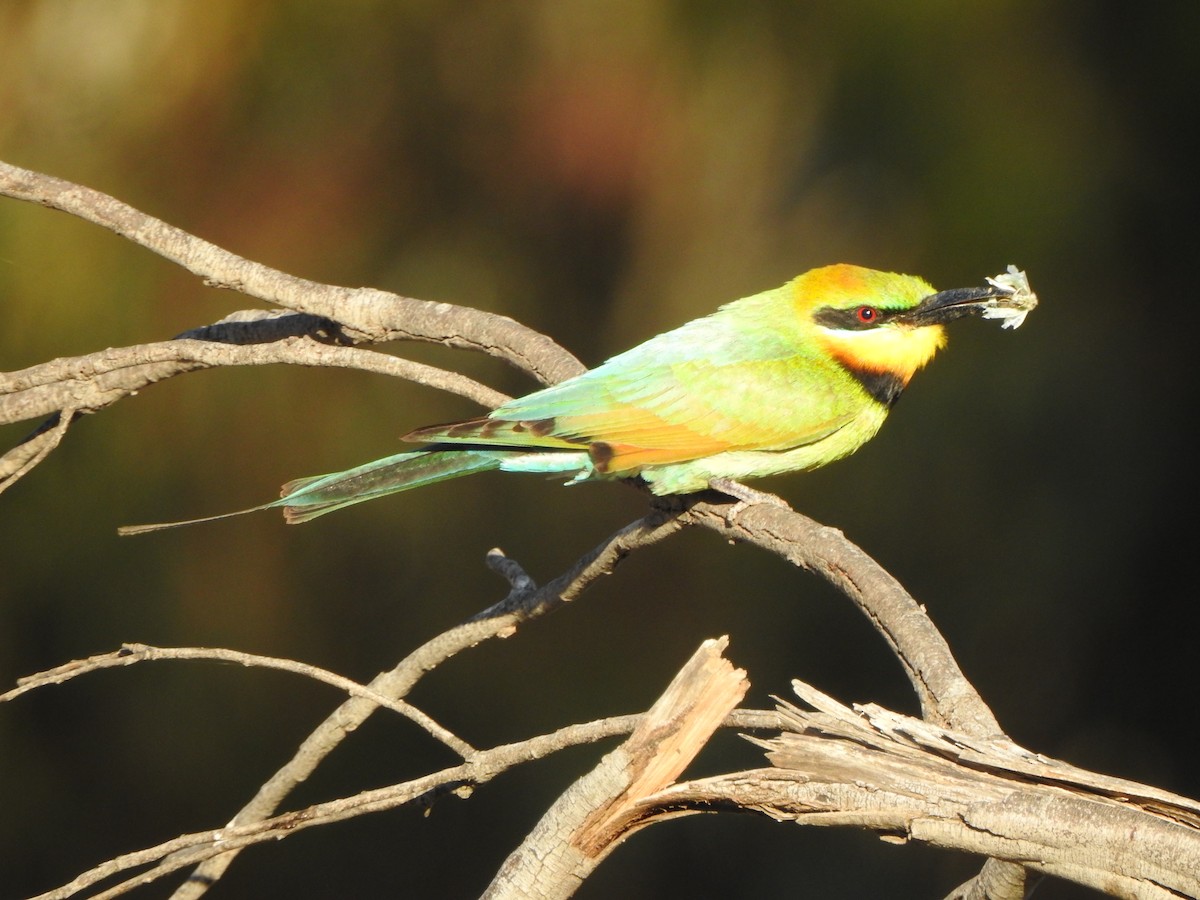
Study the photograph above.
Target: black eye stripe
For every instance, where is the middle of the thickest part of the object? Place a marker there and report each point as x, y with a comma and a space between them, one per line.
851, 319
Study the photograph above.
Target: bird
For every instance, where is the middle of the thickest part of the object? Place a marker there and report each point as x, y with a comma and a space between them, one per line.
785, 380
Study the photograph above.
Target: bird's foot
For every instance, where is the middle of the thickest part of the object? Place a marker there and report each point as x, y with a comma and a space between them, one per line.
745, 497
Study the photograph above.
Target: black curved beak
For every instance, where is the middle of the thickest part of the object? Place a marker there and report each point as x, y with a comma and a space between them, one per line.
946, 306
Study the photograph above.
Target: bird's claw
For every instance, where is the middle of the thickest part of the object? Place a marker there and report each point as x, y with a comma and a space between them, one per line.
745, 497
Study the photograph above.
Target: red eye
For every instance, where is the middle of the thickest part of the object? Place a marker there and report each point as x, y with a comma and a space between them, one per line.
866, 314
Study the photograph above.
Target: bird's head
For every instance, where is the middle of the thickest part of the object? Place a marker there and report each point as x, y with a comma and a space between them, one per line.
880, 325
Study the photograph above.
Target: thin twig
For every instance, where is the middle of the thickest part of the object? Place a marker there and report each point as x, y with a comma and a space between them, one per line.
134, 653
34, 448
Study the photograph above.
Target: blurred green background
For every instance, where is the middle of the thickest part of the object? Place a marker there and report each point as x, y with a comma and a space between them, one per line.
601, 170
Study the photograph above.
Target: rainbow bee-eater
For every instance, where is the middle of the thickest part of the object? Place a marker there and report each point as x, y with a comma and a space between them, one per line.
789, 379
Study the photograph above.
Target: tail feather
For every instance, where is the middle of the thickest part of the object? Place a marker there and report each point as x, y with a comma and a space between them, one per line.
126, 530
306, 498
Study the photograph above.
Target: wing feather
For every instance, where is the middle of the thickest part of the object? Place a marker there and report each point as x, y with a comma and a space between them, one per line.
670, 400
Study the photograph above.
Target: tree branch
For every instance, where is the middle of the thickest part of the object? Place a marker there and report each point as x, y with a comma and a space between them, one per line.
357, 315
86, 384
909, 780
97, 380
945, 694
367, 314
135, 653
600, 809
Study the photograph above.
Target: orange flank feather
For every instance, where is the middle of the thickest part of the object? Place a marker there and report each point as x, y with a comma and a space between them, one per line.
615, 448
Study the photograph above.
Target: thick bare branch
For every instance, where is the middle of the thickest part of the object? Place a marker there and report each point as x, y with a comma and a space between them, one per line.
946, 696
602, 808
97, 380
910, 780
90, 383
366, 314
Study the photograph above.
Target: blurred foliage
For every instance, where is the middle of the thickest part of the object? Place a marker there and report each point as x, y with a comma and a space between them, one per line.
601, 170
